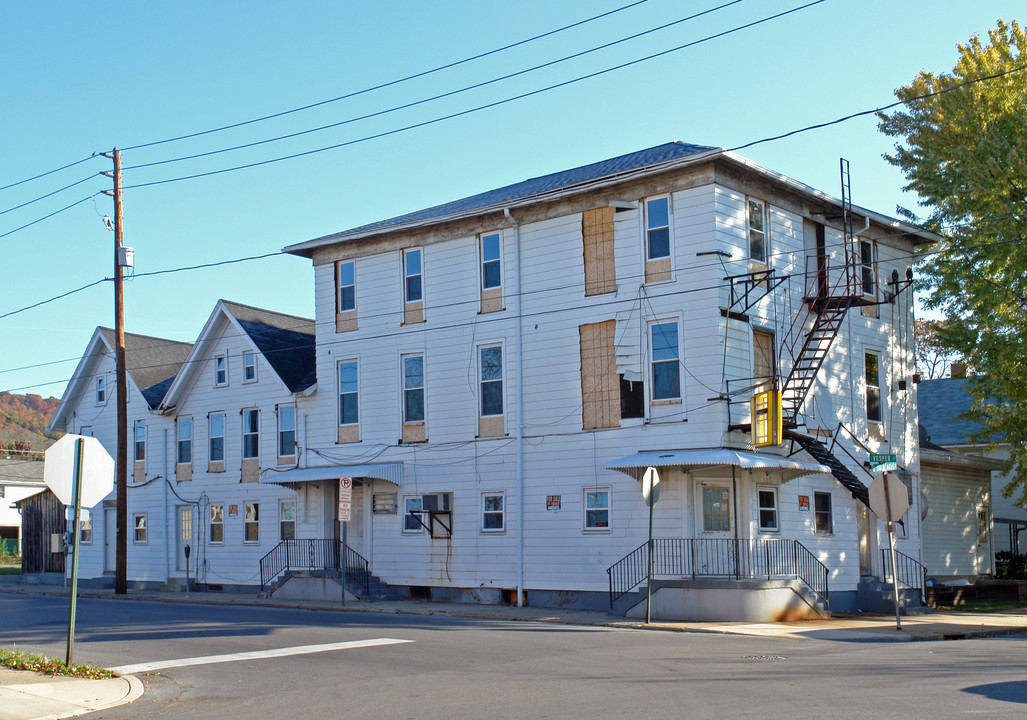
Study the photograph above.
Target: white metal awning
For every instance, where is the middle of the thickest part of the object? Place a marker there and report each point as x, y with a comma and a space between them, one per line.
389, 472
709, 458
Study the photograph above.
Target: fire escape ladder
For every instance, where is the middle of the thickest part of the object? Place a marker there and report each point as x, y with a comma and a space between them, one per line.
819, 452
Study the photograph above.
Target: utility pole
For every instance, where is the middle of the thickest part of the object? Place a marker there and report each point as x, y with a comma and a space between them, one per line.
121, 567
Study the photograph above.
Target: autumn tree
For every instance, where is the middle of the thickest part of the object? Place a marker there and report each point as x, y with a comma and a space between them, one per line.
962, 145
932, 358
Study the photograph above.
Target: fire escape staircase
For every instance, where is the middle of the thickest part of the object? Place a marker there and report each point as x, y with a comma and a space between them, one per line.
819, 452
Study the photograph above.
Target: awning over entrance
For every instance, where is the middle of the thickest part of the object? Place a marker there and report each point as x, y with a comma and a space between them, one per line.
708, 458
389, 472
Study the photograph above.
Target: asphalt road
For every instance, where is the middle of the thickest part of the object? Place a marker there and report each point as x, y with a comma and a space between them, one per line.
469, 668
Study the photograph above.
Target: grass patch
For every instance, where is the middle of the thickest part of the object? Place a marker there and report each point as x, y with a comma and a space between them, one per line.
984, 606
50, 666
10, 571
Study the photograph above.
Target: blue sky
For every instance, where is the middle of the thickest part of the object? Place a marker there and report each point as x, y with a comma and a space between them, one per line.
81, 78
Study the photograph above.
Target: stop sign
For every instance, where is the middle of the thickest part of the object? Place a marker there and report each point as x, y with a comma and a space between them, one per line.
97, 470
889, 506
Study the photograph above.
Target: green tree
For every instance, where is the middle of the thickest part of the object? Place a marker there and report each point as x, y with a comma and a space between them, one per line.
963, 149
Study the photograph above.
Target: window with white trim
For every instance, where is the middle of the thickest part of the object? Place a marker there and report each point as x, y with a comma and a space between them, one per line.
286, 431
716, 508
756, 222
101, 390
220, 370
872, 380
249, 366
347, 296
413, 275
597, 508
349, 393
666, 370
185, 440
140, 441
493, 512
139, 525
85, 526
216, 423
413, 388
823, 513
250, 434
217, 523
287, 520
657, 227
411, 522
252, 523
490, 247
766, 501
490, 360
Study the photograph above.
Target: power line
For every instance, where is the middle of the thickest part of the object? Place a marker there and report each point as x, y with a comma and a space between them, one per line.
49, 194
440, 96
47, 217
479, 108
50, 300
48, 172
390, 83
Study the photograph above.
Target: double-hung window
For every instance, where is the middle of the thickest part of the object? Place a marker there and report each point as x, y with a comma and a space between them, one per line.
411, 522
216, 423
756, 222
413, 276
185, 440
250, 434
767, 503
823, 516
140, 441
220, 370
140, 528
491, 360
101, 390
217, 523
872, 380
868, 261
85, 526
252, 523
493, 512
286, 431
347, 299
657, 227
413, 388
349, 393
249, 366
491, 261
665, 367
287, 520
597, 508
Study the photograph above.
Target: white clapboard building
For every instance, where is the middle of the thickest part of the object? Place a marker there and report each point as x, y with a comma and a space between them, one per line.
495, 375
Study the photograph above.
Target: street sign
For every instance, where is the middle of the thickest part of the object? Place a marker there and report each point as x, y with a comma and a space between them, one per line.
97, 470
345, 498
883, 462
888, 497
651, 486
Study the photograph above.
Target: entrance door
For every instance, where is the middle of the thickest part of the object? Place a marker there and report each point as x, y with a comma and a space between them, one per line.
355, 527
184, 536
714, 552
110, 540
866, 550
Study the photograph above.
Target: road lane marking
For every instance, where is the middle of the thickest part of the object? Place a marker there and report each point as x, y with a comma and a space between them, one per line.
255, 655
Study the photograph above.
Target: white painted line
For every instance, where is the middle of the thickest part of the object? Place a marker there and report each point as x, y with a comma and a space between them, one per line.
256, 655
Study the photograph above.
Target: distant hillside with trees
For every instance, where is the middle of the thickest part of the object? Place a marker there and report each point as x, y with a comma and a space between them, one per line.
23, 421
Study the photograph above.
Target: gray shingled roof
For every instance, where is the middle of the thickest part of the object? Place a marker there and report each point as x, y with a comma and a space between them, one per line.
285, 341
941, 402
151, 362
563, 180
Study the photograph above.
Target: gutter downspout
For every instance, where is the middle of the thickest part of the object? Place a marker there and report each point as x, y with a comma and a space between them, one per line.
519, 431
167, 517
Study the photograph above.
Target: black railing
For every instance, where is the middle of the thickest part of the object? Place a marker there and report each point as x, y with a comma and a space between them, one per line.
314, 554
732, 558
909, 572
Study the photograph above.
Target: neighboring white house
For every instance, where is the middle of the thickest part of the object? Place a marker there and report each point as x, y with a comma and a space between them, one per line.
496, 374
943, 401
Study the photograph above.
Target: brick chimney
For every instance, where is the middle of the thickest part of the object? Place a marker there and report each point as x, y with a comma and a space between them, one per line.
957, 370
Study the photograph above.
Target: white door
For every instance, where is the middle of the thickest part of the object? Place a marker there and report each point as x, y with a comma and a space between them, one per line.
110, 540
713, 552
355, 526
184, 535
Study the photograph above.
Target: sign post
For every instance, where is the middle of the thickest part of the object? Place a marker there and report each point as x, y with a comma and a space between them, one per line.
345, 512
650, 493
889, 501
80, 473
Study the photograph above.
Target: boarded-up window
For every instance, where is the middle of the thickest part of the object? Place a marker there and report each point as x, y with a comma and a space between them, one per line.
763, 365
600, 384
597, 235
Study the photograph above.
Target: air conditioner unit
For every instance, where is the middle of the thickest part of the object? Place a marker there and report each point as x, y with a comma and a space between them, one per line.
437, 502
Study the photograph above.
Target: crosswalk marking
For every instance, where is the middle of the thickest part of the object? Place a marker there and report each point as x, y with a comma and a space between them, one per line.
255, 655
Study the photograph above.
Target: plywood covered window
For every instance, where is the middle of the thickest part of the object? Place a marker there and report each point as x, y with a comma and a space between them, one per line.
600, 385
597, 237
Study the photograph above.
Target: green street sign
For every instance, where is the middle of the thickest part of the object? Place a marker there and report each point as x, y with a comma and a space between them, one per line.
883, 462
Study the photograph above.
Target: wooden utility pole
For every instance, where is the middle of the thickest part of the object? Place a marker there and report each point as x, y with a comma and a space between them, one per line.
121, 567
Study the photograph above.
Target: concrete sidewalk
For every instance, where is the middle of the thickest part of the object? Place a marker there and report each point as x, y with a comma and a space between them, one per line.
25, 695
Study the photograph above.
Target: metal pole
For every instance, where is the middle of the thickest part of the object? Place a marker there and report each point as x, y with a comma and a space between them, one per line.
649, 581
343, 561
891, 553
79, 456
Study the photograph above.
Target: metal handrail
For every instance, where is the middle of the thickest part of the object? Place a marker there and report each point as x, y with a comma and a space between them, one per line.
909, 571
734, 558
315, 554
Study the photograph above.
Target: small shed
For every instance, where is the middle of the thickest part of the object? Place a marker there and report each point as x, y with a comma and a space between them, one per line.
42, 515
